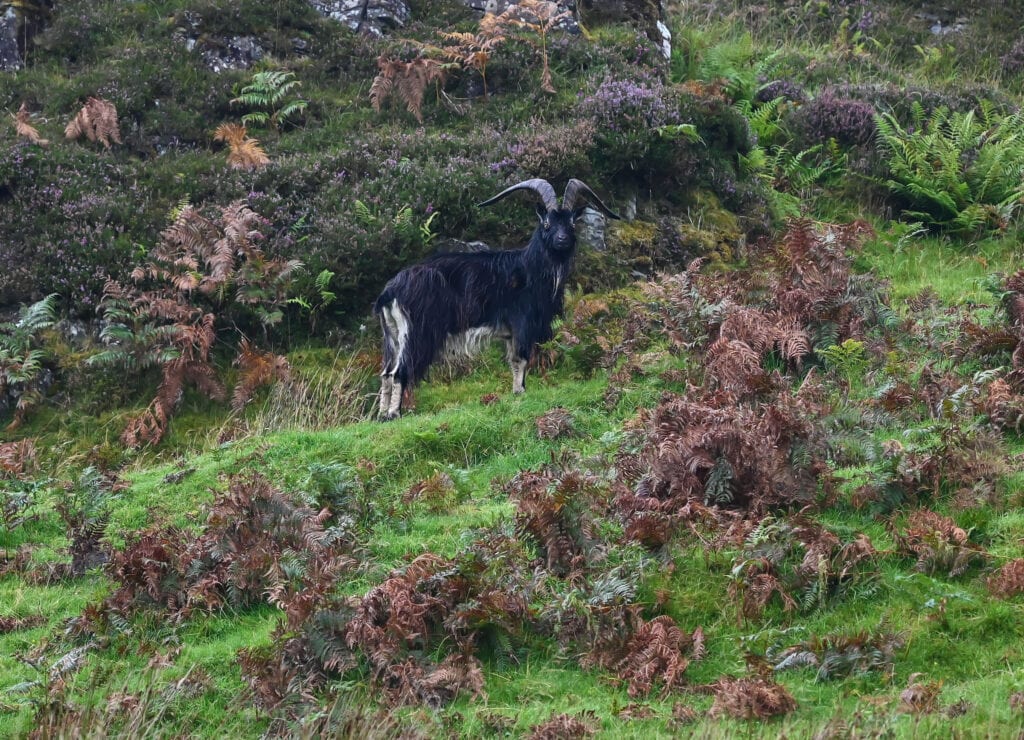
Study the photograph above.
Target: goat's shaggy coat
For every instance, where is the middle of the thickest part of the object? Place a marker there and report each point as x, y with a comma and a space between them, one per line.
455, 302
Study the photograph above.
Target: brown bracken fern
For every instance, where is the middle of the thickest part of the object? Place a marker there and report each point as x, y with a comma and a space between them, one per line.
25, 129
257, 369
1008, 581
96, 121
244, 152
535, 17
406, 81
220, 262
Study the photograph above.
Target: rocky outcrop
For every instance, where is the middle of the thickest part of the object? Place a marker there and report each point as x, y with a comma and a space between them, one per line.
568, 24
647, 15
10, 55
235, 52
219, 54
375, 17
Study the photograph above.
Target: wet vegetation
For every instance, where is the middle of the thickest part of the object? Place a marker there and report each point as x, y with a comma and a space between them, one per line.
766, 478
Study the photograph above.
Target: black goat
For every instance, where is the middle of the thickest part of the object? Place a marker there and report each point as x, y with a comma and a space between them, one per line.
454, 302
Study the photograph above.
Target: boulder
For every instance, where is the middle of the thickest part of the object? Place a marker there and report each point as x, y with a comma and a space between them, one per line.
591, 230
375, 17
10, 54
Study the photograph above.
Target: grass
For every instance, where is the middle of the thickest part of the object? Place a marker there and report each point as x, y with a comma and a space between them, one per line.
953, 631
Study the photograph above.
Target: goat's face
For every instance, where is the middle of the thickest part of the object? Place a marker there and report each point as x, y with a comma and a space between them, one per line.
557, 227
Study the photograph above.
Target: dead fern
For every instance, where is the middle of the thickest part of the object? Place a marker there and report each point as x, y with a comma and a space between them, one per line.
565, 727
554, 424
437, 491
553, 510
97, 121
938, 543
203, 269
257, 369
920, 697
257, 546
244, 152
26, 130
474, 50
754, 697
656, 653
17, 459
405, 81
1008, 581
535, 18
16, 624
1017, 701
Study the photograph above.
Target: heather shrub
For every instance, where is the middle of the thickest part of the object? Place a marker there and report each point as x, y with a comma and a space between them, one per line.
555, 152
73, 216
1012, 62
785, 89
830, 116
627, 114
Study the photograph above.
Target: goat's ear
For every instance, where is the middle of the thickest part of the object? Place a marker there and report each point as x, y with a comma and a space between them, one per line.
542, 212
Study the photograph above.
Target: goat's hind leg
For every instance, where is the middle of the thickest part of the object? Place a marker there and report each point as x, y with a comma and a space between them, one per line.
389, 365
393, 375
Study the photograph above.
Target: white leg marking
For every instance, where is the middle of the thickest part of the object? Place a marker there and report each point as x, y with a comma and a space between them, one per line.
397, 334
386, 386
518, 376
394, 409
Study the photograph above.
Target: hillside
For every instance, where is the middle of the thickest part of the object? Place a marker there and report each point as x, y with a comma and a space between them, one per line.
766, 479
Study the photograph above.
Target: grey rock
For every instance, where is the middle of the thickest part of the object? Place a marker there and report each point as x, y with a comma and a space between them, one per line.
10, 55
237, 52
375, 17
590, 230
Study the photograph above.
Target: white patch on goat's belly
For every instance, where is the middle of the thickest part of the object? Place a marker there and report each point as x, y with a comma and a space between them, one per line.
471, 341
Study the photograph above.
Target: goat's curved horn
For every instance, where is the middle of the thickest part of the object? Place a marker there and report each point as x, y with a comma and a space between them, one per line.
576, 188
541, 187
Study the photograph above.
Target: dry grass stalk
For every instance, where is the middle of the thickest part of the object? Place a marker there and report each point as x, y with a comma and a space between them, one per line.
324, 399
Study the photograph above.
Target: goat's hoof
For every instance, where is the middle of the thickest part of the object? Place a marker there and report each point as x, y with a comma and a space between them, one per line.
518, 391
389, 417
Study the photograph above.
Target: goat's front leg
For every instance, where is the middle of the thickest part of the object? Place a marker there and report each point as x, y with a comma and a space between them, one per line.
518, 365
387, 384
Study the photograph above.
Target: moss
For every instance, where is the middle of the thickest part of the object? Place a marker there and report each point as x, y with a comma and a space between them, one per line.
712, 231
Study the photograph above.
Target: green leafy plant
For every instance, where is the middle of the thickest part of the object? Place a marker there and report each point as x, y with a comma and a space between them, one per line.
848, 360
272, 94
961, 173
787, 175
85, 509
21, 357
402, 223
323, 300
